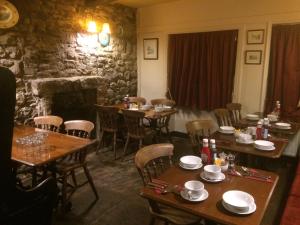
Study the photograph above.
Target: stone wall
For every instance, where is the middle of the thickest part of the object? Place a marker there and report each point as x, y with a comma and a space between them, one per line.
45, 45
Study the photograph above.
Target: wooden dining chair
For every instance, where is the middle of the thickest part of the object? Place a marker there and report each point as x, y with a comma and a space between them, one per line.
223, 117
67, 167
235, 111
50, 122
151, 161
199, 129
137, 100
163, 122
108, 118
135, 127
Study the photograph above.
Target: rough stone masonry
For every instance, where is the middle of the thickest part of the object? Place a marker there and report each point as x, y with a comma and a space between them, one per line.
44, 52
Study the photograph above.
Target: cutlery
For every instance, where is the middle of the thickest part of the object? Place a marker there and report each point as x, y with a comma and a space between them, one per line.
249, 173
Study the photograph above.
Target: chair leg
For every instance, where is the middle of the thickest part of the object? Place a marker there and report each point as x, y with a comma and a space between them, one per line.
126, 145
169, 135
90, 180
114, 144
140, 143
64, 193
74, 178
100, 141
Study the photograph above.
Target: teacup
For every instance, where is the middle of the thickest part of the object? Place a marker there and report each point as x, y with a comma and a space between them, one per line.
212, 171
194, 188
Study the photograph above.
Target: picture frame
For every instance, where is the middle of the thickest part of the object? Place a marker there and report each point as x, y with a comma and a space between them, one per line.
253, 57
255, 37
151, 48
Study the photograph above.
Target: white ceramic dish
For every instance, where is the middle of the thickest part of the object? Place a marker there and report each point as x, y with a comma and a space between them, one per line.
226, 132
252, 117
219, 179
212, 171
227, 128
239, 201
245, 142
263, 144
202, 197
282, 124
252, 209
146, 107
266, 149
190, 161
189, 168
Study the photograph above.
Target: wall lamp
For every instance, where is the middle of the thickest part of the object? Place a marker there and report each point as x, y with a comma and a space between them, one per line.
103, 36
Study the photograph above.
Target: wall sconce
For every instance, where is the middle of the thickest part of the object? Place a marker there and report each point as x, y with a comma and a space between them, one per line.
104, 36
92, 27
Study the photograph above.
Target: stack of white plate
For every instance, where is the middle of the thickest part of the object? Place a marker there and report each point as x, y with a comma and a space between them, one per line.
252, 117
190, 162
284, 126
238, 202
227, 129
264, 145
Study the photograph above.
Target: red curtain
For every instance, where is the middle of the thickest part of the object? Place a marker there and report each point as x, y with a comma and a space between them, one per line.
201, 68
284, 69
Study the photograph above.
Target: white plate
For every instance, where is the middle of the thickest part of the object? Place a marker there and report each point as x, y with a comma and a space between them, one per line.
226, 132
282, 124
221, 178
263, 144
265, 149
202, 197
283, 128
191, 168
238, 201
227, 128
245, 142
252, 209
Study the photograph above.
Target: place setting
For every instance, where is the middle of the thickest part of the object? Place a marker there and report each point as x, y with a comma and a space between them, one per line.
238, 202
264, 145
212, 174
194, 191
190, 162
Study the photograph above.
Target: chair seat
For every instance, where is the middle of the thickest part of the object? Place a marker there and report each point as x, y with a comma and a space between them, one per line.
175, 216
66, 166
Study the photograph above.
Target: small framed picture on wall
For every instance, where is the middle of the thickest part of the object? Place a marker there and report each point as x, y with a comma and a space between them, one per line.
151, 48
255, 37
253, 57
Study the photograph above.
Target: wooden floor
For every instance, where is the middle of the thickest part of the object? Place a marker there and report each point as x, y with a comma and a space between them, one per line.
118, 185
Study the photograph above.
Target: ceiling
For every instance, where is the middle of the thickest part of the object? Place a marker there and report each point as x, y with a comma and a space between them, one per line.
141, 3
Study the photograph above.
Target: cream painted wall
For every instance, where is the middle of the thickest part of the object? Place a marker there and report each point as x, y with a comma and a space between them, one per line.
208, 15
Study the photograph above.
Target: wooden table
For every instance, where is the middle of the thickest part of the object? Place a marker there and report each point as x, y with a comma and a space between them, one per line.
228, 142
211, 208
56, 146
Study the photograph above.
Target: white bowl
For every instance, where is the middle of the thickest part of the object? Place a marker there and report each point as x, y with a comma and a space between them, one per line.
227, 128
285, 125
252, 116
146, 107
190, 161
261, 144
238, 200
212, 171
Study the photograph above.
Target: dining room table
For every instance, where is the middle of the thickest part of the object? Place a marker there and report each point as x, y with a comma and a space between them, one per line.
211, 208
36, 147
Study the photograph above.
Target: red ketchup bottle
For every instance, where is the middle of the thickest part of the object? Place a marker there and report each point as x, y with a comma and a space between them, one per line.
259, 135
205, 152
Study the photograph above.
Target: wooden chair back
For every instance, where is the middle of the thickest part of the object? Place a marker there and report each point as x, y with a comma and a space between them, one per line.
79, 128
223, 117
134, 123
163, 101
198, 129
108, 117
137, 100
48, 122
235, 111
152, 160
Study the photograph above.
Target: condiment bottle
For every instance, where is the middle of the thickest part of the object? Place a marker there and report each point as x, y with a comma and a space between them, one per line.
213, 150
126, 102
205, 152
265, 128
259, 131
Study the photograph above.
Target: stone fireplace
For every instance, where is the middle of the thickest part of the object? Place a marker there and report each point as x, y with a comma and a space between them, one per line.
69, 98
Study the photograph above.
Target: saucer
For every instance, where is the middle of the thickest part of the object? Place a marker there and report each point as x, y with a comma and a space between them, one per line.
202, 197
252, 208
191, 168
283, 128
221, 178
244, 142
265, 149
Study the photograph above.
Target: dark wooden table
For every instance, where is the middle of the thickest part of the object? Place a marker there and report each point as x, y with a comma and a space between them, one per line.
228, 142
56, 146
211, 208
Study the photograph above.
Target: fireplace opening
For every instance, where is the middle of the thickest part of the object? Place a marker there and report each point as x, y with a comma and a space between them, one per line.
75, 105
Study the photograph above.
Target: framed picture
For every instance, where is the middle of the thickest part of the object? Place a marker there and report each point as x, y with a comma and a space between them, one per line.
151, 48
255, 36
253, 57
